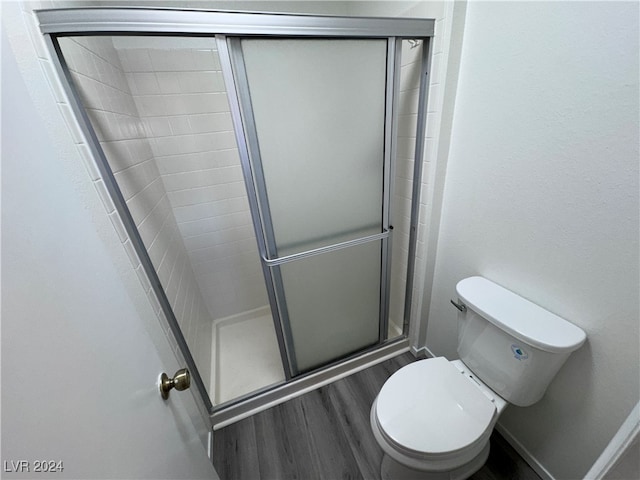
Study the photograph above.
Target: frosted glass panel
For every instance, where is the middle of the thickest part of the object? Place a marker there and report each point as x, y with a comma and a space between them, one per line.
319, 111
333, 301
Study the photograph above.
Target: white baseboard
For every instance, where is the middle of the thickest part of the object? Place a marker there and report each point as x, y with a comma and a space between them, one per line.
524, 453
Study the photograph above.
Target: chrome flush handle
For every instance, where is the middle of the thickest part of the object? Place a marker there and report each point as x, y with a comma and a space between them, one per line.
459, 305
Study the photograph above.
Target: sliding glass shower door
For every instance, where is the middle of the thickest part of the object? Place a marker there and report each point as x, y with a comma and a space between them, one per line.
319, 106
314, 115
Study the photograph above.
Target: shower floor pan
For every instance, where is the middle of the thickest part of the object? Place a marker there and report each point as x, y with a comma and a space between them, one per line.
245, 355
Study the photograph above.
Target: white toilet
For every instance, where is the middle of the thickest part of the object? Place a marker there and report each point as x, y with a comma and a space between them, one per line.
433, 418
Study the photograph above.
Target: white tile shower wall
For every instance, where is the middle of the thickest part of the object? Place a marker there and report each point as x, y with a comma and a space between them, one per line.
98, 74
402, 191
181, 98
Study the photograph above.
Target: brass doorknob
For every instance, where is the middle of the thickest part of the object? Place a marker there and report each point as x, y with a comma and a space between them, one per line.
180, 381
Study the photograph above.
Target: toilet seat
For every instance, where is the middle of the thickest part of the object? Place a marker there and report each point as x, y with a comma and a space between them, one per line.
429, 410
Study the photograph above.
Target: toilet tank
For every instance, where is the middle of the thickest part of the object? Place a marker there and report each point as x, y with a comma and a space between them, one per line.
513, 345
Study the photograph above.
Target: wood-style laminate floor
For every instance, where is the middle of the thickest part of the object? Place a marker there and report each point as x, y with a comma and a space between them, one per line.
325, 435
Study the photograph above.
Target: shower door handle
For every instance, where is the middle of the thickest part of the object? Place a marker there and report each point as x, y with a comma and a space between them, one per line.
271, 262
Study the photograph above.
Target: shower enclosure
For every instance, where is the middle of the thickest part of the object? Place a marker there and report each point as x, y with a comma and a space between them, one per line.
259, 167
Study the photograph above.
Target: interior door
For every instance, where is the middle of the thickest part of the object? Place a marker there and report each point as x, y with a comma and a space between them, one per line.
81, 346
314, 112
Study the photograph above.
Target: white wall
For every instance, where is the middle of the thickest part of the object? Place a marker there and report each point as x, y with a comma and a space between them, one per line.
541, 197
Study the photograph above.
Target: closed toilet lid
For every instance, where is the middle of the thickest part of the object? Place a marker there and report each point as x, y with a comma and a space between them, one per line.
429, 407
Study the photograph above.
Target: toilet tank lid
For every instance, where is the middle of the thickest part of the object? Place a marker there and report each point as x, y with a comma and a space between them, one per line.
519, 317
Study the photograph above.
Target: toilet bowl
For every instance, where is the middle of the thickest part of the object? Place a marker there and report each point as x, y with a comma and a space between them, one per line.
433, 420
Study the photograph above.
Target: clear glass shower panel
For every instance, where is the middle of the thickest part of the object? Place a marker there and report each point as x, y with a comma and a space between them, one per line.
333, 301
319, 109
